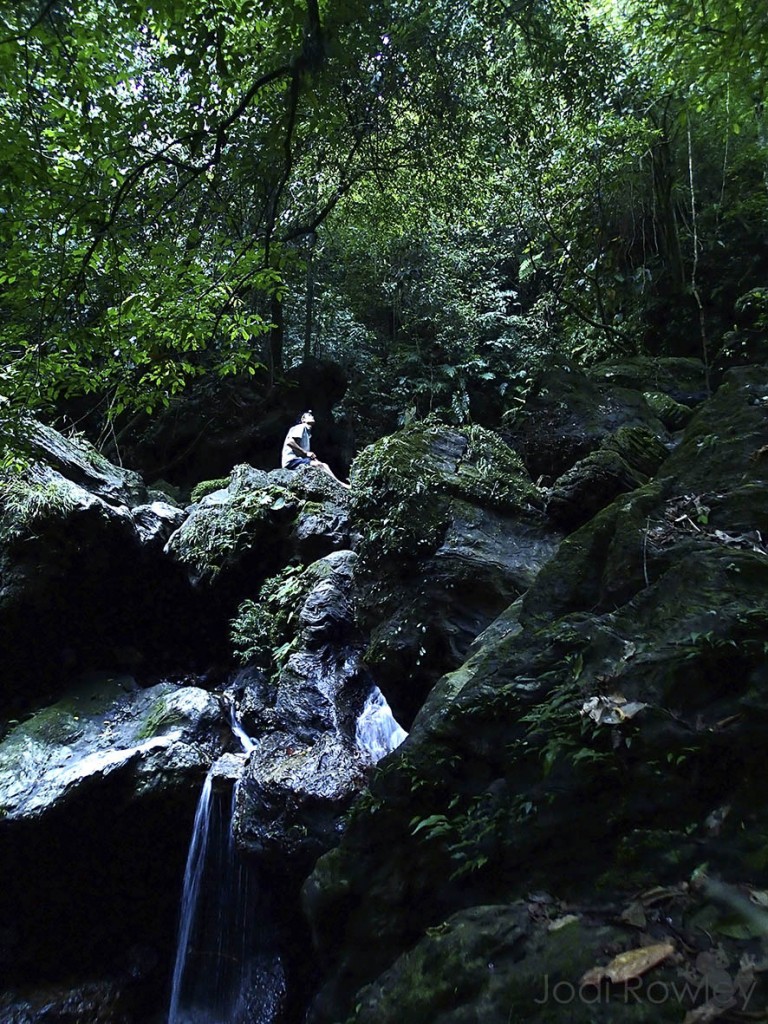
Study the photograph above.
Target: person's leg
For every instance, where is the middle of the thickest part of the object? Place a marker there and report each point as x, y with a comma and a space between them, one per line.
327, 469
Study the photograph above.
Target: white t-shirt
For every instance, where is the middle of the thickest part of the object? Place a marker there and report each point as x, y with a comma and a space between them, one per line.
300, 434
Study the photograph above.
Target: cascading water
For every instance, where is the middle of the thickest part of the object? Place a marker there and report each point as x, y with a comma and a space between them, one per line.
226, 970
377, 733
245, 740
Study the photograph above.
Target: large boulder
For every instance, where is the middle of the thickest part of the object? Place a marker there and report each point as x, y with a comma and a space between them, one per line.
306, 765
97, 797
605, 738
625, 460
452, 530
82, 565
569, 414
104, 726
239, 535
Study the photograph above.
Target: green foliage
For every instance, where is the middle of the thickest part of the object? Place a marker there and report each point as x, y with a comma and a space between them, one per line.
437, 196
264, 632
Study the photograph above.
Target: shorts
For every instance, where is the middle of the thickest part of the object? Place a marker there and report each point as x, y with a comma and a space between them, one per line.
296, 463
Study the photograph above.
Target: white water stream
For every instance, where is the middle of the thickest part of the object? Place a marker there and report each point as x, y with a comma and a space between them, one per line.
226, 970
377, 733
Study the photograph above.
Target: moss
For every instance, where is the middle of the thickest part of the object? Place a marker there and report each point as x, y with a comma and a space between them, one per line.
403, 485
162, 713
214, 535
639, 447
674, 415
396, 501
491, 473
205, 487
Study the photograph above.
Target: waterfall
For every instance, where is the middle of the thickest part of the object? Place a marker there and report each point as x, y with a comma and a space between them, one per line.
377, 733
227, 970
245, 740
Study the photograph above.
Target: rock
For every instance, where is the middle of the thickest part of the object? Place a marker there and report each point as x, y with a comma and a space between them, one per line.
624, 461
451, 532
292, 800
154, 523
674, 415
96, 1002
488, 962
673, 376
235, 538
568, 416
98, 795
78, 461
89, 575
305, 767
510, 782
102, 727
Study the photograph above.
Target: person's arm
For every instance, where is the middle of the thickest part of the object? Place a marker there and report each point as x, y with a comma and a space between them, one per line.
296, 448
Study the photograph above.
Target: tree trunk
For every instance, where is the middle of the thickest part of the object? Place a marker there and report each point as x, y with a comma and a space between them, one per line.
276, 337
309, 312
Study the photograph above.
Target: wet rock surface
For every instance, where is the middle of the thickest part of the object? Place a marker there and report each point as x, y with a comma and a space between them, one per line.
305, 767
106, 725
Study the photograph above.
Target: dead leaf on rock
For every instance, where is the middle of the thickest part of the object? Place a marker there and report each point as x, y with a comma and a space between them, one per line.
630, 965
561, 922
759, 897
704, 1014
611, 710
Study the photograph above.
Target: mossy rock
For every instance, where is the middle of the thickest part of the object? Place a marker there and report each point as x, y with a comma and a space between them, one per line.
234, 527
674, 415
624, 461
495, 964
668, 375
568, 415
451, 532
206, 487
76, 459
105, 724
624, 700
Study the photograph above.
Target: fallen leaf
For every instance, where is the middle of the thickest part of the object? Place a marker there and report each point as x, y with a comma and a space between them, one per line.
611, 710
561, 922
704, 1014
759, 897
627, 966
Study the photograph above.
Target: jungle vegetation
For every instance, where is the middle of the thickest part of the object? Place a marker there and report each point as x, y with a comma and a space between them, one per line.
437, 196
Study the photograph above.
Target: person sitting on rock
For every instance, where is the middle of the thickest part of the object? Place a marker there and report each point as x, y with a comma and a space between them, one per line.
297, 451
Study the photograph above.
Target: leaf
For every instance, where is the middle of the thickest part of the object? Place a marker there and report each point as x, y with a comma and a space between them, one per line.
632, 964
431, 822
